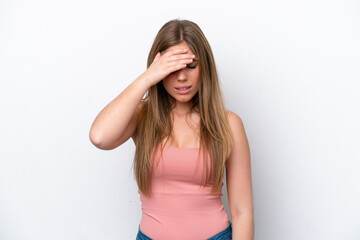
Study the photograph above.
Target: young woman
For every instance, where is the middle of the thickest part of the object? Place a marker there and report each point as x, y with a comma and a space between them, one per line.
185, 140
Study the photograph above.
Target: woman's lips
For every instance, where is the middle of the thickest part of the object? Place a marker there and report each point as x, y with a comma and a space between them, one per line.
177, 89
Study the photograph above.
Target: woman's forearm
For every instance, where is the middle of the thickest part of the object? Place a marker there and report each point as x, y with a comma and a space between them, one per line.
243, 227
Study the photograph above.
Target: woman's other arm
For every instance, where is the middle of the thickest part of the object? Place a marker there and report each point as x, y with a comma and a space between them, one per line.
238, 182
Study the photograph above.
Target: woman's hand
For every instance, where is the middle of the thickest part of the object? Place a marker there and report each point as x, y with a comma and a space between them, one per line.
167, 63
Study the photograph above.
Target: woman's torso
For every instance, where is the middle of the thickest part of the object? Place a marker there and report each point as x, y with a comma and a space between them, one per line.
180, 208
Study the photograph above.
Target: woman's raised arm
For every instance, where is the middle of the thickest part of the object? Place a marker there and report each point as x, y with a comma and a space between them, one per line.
116, 123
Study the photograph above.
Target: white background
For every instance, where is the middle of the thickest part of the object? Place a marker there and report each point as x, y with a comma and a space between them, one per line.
289, 69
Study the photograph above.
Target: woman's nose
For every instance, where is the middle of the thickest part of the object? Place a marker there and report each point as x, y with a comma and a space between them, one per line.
182, 75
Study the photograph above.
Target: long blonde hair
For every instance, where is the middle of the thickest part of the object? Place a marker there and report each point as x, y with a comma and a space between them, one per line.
154, 123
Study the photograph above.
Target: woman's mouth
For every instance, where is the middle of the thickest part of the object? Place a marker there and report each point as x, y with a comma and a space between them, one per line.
183, 90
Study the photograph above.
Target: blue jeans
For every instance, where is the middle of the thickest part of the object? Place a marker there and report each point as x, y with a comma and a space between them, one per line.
225, 234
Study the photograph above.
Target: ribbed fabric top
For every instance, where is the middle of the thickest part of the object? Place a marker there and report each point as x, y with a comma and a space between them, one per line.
179, 208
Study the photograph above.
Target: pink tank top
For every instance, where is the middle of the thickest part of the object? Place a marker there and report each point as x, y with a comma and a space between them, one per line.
179, 208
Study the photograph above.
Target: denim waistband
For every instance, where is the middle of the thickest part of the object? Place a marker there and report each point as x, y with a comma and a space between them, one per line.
225, 234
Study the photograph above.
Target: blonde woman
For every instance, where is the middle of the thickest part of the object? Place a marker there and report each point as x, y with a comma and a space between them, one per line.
185, 140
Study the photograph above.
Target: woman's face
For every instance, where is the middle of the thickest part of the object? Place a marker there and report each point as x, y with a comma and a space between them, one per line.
185, 77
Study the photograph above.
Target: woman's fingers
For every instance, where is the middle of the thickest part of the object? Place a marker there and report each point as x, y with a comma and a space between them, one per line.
174, 55
181, 57
168, 62
178, 59
181, 62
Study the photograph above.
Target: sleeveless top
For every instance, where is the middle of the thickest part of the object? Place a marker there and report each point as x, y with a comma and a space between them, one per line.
180, 208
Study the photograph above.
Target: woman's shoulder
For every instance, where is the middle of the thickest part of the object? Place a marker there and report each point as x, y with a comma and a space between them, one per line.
234, 119
232, 116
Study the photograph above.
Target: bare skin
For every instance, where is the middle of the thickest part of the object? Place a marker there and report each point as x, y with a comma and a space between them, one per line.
185, 131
